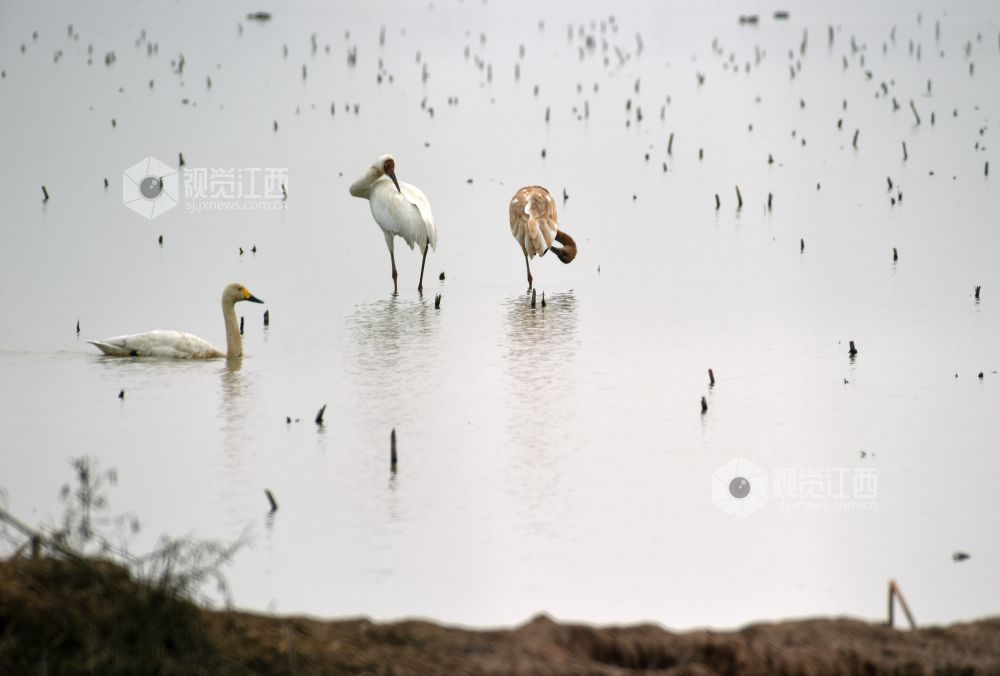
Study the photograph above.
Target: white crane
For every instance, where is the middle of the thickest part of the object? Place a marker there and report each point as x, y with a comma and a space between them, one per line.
179, 345
400, 209
535, 225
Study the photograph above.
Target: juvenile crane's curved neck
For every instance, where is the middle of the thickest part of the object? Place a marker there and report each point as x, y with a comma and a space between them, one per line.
234, 343
568, 251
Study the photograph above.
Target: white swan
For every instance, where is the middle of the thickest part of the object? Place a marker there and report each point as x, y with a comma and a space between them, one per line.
179, 345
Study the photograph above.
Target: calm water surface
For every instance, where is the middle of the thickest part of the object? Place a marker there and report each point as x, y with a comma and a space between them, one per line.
550, 459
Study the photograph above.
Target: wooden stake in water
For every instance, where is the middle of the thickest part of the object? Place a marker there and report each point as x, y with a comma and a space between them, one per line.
739, 199
45, 194
267, 317
913, 106
78, 322
437, 302
770, 197
977, 296
711, 378
855, 141
533, 298
896, 593
717, 202
392, 450
322, 410
271, 500
704, 406
905, 156
543, 299
895, 255
802, 245
853, 351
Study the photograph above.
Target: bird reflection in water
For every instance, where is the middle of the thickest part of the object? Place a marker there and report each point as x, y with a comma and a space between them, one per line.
237, 435
394, 343
542, 344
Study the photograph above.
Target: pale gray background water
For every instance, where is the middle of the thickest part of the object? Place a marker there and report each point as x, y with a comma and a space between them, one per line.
550, 460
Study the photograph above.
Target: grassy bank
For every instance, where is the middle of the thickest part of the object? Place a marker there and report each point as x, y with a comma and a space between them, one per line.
90, 617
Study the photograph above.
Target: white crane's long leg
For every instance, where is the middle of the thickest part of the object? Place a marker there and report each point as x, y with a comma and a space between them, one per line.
420, 285
392, 257
528, 266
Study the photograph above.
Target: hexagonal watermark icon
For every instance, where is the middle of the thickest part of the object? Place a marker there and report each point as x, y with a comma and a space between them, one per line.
739, 487
150, 188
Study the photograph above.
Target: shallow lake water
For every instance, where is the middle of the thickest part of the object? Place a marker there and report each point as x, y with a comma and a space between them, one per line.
551, 459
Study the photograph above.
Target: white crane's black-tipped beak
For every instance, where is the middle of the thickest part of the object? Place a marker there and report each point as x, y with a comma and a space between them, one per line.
391, 173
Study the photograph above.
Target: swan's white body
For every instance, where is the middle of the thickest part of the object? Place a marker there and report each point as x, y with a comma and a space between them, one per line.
402, 211
167, 344
180, 345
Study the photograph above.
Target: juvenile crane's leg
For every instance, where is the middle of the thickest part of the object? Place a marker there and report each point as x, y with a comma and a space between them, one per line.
420, 286
528, 266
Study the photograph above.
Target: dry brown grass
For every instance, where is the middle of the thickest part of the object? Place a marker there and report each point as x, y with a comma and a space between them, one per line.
61, 617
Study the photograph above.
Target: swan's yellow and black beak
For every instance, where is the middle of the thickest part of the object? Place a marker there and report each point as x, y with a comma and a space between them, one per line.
250, 297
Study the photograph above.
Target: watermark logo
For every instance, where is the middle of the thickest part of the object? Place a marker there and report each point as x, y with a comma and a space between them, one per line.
235, 189
150, 188
741, 488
